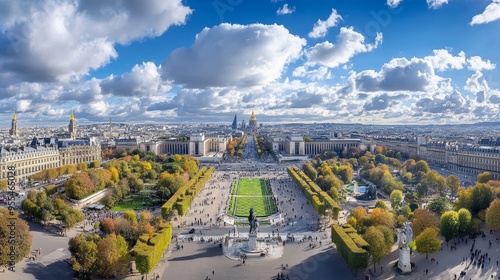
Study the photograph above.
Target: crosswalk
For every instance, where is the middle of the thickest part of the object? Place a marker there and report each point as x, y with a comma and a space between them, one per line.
54, 256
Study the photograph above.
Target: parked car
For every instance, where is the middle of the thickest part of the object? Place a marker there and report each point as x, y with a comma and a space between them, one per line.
192, 230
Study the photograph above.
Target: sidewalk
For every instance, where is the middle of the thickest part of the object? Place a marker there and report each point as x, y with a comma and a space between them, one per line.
158, 270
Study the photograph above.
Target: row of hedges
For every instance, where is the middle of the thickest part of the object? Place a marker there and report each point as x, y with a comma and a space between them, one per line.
352, 247
182, 199
319, 199
149, 250
257, 146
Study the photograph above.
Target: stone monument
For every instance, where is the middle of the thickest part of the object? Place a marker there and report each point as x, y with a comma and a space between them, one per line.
252, 234
404, 239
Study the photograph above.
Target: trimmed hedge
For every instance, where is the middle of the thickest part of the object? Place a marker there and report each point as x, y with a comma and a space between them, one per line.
319, 199
352, 247
50, 190
148, 251
182, 199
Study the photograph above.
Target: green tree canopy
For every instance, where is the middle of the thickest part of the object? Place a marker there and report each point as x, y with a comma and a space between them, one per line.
396, 198
449, 225
378, 249
493, 215
464, 222
439, 205
484, 177
428, 241
452, 184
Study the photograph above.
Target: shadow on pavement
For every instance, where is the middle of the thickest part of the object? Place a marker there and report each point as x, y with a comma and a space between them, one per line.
56, 270
204, 253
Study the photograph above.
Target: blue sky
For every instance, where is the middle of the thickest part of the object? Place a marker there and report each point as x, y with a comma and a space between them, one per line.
350, 61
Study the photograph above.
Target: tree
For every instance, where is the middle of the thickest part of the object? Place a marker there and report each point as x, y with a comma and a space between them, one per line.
381, 204
484, 177
95, 164
452, 184
115, 177
423, 219
428, 241
112, 257
378, 249
83, 253
22, 239
434, 181
449, 225
464, 222
493, 215
381, 216
78, 186
345, 173
359, 213
439, 205
363, 160
130, 215
107, 225
396, 198
72, 217
422, 166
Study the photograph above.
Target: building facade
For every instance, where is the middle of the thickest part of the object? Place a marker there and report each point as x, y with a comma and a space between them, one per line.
296, 145
469, 159
45, 153
198, 145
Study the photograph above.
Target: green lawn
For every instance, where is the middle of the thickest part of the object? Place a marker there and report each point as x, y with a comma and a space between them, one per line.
252, 186
130, 204
252, 193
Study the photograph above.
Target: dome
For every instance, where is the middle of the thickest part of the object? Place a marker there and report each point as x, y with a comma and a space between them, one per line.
252, 117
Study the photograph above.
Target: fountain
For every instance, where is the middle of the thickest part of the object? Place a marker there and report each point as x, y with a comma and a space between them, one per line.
236, 248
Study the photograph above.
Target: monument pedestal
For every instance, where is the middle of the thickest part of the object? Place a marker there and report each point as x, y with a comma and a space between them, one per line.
404, 260
252, 242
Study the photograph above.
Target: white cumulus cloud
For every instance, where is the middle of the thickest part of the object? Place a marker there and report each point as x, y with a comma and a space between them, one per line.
490, 13
321, 26
234, 55
142, 80
476, 63
56, 40
349, 43
434, 4
394, 3
285, 10
443, 60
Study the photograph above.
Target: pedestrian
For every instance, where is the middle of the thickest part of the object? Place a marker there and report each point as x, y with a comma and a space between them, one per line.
213, 272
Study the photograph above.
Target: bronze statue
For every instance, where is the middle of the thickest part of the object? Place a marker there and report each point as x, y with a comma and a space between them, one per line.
252, 221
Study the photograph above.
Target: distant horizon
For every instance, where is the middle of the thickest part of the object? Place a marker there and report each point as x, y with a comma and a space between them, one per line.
59, 124
387, 62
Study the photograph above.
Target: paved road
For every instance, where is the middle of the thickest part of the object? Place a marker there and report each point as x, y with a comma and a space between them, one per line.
49, 264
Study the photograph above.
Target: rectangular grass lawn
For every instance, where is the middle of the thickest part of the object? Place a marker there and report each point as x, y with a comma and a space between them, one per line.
258, 203
251, 193
252, 186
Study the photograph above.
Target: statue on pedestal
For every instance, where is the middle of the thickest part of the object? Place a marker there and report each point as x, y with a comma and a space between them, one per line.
404, 239
252, 221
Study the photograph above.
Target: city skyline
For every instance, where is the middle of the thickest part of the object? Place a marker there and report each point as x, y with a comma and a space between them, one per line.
374, 62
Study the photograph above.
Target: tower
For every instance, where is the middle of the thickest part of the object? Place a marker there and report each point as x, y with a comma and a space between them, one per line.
234, 126
72, 126
13, 126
